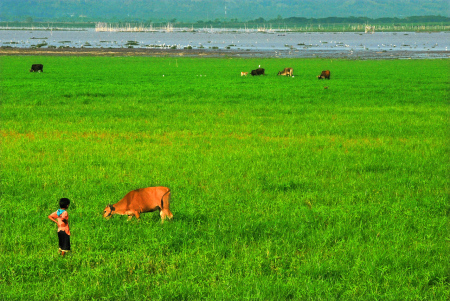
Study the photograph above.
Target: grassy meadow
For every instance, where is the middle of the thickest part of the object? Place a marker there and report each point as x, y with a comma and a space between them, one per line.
281, 189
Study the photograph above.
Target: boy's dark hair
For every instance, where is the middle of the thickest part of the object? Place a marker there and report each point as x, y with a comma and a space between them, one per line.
64, 203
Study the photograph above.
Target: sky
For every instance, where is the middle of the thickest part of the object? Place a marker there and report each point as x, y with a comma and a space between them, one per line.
194, 10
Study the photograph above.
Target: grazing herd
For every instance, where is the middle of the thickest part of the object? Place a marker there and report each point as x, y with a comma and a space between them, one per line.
158, 198
286, 72
260, 71
152, 199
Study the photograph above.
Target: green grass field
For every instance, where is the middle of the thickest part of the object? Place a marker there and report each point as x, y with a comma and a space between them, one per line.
281, 189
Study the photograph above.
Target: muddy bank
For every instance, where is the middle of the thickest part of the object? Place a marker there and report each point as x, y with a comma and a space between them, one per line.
362, 54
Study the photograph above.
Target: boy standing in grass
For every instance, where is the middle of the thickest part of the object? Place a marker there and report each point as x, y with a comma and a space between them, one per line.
61, 218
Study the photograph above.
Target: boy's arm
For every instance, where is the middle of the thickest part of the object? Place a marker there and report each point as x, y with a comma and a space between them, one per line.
52, 217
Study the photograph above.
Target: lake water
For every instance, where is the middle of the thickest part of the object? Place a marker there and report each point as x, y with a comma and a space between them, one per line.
278, 44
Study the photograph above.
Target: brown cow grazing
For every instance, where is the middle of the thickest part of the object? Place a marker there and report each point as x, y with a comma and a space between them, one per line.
325, 74
140, 201
286, 72
244, 73
37, 68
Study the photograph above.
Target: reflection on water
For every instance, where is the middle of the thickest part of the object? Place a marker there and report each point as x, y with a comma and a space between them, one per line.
278, 43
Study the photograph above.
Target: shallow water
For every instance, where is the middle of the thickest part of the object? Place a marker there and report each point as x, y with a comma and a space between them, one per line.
283, 44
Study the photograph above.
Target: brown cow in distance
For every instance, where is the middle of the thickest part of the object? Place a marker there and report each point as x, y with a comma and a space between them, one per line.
140, 201
286, 72
325, 74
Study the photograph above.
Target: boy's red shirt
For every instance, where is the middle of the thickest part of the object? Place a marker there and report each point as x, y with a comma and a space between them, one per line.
62, 221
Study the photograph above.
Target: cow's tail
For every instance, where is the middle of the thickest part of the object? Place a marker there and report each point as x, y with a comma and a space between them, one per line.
162, 199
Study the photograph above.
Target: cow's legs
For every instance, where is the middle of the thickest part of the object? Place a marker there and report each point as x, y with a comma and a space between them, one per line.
131, 214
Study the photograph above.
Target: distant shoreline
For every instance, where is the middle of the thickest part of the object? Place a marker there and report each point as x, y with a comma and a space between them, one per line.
363, 55
357, 28
412, 23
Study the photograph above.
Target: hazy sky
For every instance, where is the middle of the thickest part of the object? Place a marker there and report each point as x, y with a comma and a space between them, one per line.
193, 10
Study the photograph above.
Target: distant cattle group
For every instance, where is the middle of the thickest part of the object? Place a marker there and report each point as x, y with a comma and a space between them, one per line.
288, 71
37, 68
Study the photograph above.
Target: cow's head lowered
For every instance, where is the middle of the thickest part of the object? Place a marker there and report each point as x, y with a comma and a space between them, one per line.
109, 211
142, 200
324, 75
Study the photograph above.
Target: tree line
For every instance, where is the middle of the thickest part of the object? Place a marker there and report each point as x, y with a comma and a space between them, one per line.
335, 20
